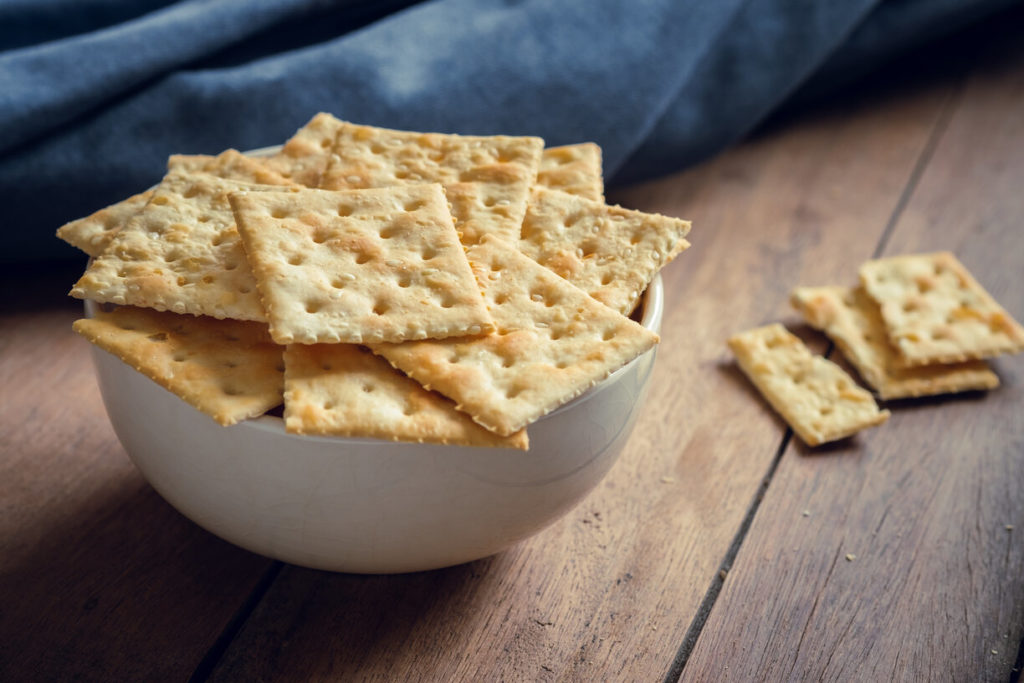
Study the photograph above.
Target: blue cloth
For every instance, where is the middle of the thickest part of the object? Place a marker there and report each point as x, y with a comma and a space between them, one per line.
95, 94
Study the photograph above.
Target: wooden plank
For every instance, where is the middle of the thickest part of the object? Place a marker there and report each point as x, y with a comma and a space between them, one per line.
99, 578
610, 591
928, 507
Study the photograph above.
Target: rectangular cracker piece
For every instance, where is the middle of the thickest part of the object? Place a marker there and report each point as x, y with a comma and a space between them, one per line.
552, 343
360, 265
607, 251
936, 312
344, 390
575, 169
852, 320
815, 396
228, 369
94, 233
181, 253
304, 156
486, 178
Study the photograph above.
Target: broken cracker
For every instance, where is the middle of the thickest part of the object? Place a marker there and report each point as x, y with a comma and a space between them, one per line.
575, 169
303, 158
814, 395
609, 252
94, 233
344, 390
936, 312
181, 253
553, 342
360, 265
487, 178
228, 369
852, 320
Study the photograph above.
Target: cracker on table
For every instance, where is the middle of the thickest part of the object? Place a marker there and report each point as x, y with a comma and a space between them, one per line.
575, 169
815, 396
936, 312
228, 369
360, 265
607, 251
852, 320
181, 253
553, 342
487, 178
344, 390
304, 156
94, 233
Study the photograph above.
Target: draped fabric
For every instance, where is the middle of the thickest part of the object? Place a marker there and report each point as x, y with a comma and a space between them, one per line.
95, 94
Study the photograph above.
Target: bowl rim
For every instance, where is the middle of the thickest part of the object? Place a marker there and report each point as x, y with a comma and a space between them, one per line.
652, 299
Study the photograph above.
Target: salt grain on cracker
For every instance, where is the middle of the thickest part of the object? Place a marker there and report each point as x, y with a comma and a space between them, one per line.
815, 396
360, 265
228, 369
852, 320
607, 251
936, 312
553, 342
344, 390
487, 178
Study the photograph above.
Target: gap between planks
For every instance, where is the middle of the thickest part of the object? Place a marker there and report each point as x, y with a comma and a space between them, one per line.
216, 652
945, 115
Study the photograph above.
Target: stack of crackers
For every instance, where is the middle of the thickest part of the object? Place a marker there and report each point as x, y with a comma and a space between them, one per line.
385, 284
917, 325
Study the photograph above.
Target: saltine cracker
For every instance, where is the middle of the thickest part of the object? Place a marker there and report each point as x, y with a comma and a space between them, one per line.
344, 390
575, 169
814, 395
181, 253
553, 341
360, 265
486, 178
607, 251
852, 320
228, 369
936, 312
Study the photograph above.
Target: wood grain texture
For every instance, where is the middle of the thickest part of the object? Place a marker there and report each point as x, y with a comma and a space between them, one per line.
99, 578
899, 556
609, 592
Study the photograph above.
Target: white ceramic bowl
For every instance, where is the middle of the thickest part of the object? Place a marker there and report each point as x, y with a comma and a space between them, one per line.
363, 505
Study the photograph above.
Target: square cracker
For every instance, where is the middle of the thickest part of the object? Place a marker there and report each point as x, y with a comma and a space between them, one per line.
486, 178
180, 253
344, 390
228, 369
607, 251
94, 233
852, 320
575, 169
935, 312
304, 156
552, 343
360, 265
818, 400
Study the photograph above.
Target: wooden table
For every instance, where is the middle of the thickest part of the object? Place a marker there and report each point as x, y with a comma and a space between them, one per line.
718, 548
